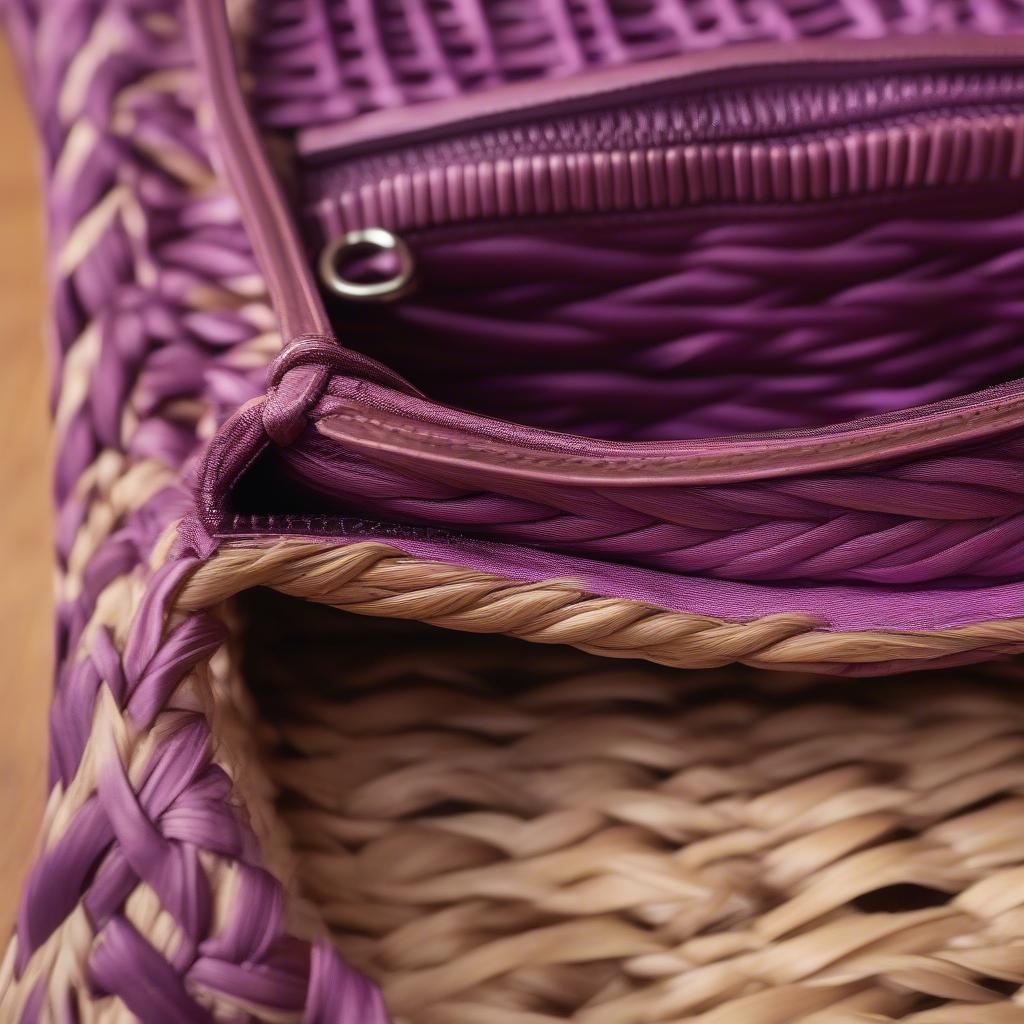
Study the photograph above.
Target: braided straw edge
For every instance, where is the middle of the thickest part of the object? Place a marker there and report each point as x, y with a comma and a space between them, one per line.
376, 579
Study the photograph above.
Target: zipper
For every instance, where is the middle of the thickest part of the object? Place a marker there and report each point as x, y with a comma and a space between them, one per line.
804, 123
887, 118
983, 145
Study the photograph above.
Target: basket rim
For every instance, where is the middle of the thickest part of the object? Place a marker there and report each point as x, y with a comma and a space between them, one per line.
376, 579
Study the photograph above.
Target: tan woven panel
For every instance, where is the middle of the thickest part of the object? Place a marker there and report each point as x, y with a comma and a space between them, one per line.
506, 833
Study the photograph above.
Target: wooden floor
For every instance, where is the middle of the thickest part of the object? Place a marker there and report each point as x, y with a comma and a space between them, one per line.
25, 523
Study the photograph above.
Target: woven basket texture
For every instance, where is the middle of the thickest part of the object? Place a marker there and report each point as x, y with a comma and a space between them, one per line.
566, 835
504, 832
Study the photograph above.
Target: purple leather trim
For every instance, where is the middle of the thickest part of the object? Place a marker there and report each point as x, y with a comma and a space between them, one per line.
270, 227
365, 418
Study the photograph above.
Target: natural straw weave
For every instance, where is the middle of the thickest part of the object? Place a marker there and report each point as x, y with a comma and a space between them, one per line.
508, 834
166, 885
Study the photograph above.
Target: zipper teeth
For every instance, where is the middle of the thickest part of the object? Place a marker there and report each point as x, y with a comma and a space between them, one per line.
963, 149
747, 113
329, 524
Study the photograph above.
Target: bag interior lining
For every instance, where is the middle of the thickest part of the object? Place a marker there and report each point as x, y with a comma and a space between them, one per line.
667, 328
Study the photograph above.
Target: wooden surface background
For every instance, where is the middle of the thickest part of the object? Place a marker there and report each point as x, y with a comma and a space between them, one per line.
25, 522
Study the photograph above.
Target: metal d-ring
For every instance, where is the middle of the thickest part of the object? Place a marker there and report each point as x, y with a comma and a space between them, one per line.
368, 241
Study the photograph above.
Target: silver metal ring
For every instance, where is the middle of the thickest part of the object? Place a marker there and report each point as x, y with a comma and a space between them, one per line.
368, 241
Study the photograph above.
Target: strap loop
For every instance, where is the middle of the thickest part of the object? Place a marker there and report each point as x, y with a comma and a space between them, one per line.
268, 221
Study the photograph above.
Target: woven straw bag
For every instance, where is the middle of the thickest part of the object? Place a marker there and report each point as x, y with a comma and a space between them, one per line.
676, 334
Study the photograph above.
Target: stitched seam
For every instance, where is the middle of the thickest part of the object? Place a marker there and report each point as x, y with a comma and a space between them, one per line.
433, 441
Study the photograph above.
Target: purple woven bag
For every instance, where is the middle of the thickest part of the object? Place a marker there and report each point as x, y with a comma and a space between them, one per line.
668, 330
797, 259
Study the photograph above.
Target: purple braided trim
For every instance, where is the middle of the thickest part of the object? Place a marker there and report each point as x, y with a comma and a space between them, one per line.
160, 310
163, 370
950, 516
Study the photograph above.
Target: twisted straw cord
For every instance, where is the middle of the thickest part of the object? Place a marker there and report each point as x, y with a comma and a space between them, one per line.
378, 580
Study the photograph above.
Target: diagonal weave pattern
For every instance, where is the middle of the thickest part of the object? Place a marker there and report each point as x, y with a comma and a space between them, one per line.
148, 864
502, 834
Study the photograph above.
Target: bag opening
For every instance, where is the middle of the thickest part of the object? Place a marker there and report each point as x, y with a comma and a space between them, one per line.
500, 832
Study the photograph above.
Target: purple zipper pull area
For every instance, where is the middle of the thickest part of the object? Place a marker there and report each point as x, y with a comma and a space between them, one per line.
757, 125
811, 61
